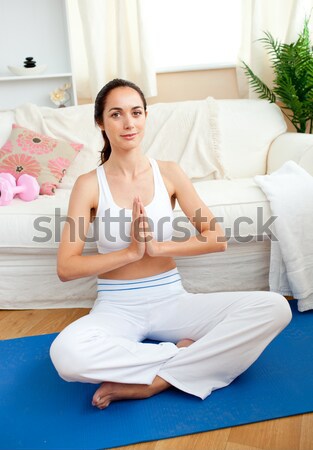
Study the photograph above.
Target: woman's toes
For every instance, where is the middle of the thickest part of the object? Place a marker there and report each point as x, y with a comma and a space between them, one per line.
184, 343
100, 394
95, 400
104, 405
100, 402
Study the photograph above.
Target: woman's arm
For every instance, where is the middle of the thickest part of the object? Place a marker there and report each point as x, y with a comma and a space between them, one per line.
211, 236
71, 264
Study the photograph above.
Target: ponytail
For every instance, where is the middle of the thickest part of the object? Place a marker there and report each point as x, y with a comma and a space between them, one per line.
106, 151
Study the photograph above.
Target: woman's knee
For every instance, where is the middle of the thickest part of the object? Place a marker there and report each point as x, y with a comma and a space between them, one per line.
280, 309
67, 358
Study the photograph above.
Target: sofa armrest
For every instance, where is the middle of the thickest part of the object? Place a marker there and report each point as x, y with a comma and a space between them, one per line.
297, 147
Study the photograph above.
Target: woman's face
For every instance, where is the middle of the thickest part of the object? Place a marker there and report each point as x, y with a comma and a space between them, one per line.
124, 118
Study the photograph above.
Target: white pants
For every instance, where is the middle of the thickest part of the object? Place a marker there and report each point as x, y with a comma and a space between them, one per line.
231, 329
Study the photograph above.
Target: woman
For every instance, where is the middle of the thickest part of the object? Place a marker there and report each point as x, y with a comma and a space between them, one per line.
206, 340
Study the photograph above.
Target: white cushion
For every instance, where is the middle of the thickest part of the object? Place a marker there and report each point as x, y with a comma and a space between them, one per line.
18, 228
240, 206
6, 120
248, 128
38, 224
35, 225
187, 133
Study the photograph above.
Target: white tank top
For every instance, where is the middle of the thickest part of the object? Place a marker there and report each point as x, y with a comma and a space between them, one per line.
112, 224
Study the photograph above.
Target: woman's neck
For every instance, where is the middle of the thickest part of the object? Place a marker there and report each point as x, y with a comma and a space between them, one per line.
129, 163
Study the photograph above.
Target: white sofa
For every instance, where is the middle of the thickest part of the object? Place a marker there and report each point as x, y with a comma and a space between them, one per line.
252, 140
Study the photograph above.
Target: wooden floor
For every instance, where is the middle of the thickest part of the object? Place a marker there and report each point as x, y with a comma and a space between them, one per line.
290, 433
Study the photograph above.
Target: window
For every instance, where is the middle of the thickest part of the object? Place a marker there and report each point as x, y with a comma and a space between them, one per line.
194, 34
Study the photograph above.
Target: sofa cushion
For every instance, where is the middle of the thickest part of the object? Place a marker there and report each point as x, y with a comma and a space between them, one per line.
240, 205
246, 130
41, 156
6, 121
18, 226
188, 133
248, 127
35, 225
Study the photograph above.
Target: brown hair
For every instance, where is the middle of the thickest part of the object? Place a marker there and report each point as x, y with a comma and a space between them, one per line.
100, 105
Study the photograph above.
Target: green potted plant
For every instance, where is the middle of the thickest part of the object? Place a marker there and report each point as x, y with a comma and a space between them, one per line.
292, 66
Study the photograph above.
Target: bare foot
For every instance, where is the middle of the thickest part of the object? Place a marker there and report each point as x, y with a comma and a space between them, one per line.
109, 392
184, 343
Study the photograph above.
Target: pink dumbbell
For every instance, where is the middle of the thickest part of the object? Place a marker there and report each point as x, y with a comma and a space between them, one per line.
26, 188
7, 183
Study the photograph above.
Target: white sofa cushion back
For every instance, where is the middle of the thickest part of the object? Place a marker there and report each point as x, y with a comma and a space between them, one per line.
247, 129
6, 120
188, 133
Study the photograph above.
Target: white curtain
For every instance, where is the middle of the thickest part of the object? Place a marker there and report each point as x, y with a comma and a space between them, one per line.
284, 19
110, 40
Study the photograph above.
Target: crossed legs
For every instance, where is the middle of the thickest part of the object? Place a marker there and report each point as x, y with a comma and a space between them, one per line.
230, 331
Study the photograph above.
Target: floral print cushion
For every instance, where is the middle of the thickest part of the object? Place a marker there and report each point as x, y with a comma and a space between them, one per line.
43, 157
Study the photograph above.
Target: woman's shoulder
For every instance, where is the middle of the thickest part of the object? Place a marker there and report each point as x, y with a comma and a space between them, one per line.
167, 166
169, 169
86, 186
173, 176
85, 193
87, 178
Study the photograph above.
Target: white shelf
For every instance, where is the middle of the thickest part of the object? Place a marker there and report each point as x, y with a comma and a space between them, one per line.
40, 30
33, 77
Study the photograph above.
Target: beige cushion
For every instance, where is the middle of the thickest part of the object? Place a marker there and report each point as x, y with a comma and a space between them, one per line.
38, 155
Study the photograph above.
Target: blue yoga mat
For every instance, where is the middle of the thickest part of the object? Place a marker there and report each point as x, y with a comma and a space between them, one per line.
40, 411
